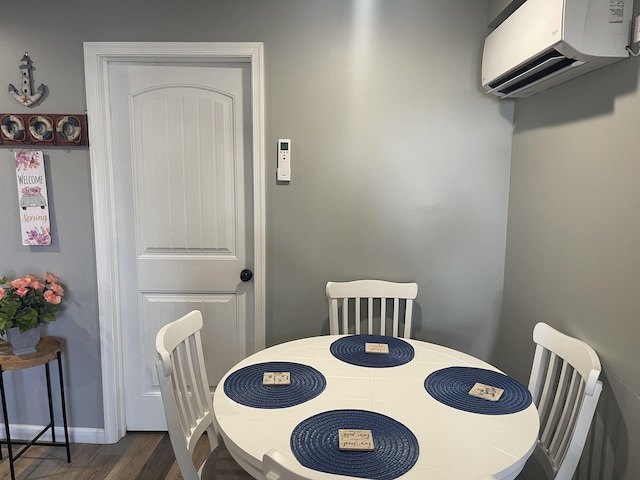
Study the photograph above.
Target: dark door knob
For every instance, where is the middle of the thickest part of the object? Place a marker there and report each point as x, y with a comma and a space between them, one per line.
246, 275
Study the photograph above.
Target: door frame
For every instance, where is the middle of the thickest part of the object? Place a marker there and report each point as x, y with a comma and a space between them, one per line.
97, 59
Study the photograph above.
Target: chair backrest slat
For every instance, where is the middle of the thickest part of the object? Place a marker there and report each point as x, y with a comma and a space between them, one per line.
565, 388
383, 315
345, 314
396, 308
566, 424
407, 325
383, 302
180, 385
555, 392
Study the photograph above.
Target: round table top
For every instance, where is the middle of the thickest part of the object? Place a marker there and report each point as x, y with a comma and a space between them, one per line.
46, 350
454, 444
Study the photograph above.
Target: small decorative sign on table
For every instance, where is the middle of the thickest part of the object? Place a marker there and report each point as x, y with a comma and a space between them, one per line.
276, 378
32, 198
376, 348
357, 440
487, 392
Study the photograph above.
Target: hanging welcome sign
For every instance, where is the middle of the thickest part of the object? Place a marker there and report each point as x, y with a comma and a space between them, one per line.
32, 198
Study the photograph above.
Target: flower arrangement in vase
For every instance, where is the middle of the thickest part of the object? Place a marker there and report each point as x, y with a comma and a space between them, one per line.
25, 304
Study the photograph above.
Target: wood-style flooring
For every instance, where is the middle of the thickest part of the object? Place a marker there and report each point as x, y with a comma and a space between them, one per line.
138, 456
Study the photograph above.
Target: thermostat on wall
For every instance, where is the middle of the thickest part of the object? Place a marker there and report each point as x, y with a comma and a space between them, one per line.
283, 171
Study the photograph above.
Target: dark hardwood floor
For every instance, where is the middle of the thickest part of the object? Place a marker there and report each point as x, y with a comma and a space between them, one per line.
138, 456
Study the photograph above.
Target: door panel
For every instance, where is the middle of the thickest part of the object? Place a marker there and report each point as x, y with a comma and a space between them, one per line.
185, 162
219, 335
184, 225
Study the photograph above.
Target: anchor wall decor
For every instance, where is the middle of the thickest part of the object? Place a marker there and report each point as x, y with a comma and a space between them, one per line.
26, 95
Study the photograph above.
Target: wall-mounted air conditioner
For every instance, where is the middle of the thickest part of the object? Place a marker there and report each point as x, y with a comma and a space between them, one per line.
547, 42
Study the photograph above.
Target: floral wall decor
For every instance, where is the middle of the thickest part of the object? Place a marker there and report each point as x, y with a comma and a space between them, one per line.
32, 198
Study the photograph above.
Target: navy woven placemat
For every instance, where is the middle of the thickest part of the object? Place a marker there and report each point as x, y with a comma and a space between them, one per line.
314, 443
245, 385
351, 350
451, 386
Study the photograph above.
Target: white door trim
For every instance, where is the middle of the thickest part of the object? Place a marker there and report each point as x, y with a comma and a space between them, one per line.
97, 58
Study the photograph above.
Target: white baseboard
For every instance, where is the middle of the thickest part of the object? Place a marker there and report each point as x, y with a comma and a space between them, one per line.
76, 434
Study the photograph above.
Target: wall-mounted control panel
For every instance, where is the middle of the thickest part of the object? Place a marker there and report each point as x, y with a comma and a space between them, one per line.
283, 172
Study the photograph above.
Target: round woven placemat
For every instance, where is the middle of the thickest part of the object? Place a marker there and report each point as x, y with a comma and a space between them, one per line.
451, 386
351, 350
314, 443
245, 385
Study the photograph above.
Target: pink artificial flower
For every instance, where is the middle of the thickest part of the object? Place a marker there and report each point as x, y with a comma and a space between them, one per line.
57, 289
50, 278
22, 291
19, 283
37, 285
1, 293
52, 298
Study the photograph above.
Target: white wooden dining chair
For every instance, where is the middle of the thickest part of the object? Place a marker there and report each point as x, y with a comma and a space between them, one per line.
187, 400
376, 301
565, 387
276, 466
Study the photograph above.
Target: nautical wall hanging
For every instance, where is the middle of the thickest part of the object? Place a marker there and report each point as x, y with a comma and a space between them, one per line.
62, 130
26, 95
32, 198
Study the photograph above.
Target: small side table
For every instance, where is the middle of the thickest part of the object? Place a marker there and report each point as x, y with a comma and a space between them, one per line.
47, 350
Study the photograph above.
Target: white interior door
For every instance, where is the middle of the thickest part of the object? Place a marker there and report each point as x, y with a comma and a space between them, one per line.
182, 179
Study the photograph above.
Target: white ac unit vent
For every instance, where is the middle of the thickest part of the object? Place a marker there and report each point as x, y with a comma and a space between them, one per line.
547, 42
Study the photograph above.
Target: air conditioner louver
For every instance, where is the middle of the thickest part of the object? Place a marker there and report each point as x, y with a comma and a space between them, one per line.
540, 67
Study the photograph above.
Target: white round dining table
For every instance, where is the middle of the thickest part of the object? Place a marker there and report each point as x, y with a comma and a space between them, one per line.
453, 444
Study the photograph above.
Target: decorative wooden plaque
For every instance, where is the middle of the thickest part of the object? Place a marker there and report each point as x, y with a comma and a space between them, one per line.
358, 440
376, 348
33, 200
276, 378
487, 392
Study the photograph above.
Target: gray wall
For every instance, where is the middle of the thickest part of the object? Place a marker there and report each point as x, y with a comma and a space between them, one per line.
573, 245
499, 10
400, 162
